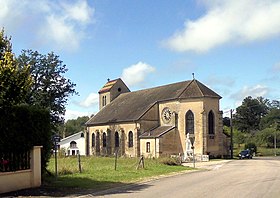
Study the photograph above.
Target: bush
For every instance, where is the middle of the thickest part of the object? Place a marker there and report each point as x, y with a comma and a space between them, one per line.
251, 146
22, 127
170, 161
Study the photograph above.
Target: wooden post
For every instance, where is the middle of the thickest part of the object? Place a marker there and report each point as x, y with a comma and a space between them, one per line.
116, 157
79, 162
141, 162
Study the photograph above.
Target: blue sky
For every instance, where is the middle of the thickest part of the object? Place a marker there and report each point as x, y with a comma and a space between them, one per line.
232, 46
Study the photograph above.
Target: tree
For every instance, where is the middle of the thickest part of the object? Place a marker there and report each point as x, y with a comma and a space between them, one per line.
249, 114
226, 121
271, 120
275, 104
51, 89
75, 125
5, 44
15, 81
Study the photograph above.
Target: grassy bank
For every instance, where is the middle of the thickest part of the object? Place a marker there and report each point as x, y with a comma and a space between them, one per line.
99, 172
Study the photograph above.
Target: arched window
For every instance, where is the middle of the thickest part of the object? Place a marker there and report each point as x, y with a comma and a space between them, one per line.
189, 122
97, 142
130, 139
211, 123
93, 140
117, 140
104, 101
104, 139
73, 144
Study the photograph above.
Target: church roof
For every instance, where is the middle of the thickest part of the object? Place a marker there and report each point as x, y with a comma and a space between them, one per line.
157, 132
108, 85
132, 105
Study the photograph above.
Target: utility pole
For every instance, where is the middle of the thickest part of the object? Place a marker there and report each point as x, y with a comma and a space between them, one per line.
231, 135
275, 143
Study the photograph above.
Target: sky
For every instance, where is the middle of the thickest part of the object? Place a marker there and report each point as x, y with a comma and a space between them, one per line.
231, 46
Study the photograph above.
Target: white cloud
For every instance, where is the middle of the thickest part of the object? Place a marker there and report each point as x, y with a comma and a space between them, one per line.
59, 24
71, 114
60, 33
136, 74
90, 101
228, 21
255, 91
79, 11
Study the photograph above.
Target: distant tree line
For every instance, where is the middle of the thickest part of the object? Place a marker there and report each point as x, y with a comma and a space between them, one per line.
73, 126
256, 120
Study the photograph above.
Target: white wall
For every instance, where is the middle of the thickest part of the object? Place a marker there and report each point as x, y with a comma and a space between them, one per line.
81, 144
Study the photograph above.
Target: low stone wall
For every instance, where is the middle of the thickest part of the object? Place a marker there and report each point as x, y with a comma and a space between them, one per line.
12, 181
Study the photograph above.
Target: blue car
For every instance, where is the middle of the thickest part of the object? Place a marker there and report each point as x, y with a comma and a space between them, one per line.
245, 154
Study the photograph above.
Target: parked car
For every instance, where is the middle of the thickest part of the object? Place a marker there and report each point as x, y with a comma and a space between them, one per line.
245, 154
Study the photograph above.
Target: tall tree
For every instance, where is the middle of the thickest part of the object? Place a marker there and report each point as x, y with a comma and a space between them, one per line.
5, 44
271, 120
15, 81
249, 114
51, 89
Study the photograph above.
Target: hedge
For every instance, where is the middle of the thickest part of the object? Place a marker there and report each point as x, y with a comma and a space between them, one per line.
22, 127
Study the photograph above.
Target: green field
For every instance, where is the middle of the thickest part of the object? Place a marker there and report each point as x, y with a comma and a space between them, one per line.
99, 172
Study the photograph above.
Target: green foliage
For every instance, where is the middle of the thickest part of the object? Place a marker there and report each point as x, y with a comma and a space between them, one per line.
226, 121
50, 89
251, 146
15, 82
249, 114
75, 125
272, 119
22, 127
266, 137
5, 44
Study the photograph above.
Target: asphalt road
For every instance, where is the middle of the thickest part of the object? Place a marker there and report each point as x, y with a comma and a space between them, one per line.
258, 177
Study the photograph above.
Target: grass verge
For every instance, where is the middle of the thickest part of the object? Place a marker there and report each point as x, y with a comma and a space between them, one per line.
99, 172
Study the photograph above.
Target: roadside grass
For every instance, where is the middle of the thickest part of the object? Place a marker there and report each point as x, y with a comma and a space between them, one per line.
99, 172
263, 151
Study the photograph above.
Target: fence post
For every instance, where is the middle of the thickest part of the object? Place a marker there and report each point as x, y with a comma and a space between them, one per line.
35, 165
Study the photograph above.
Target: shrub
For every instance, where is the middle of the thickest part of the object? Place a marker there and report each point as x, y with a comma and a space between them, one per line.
22, 127
170, 161
251, 146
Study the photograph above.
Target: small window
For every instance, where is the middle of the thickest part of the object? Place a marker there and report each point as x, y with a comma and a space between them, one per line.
104, 140
73, 144
130, 139
119, 89
148, 147
82, 135
104, 101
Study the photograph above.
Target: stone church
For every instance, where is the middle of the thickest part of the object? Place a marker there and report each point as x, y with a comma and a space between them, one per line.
157, 122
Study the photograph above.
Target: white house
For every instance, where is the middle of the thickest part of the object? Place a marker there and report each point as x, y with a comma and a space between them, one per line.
74, 144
